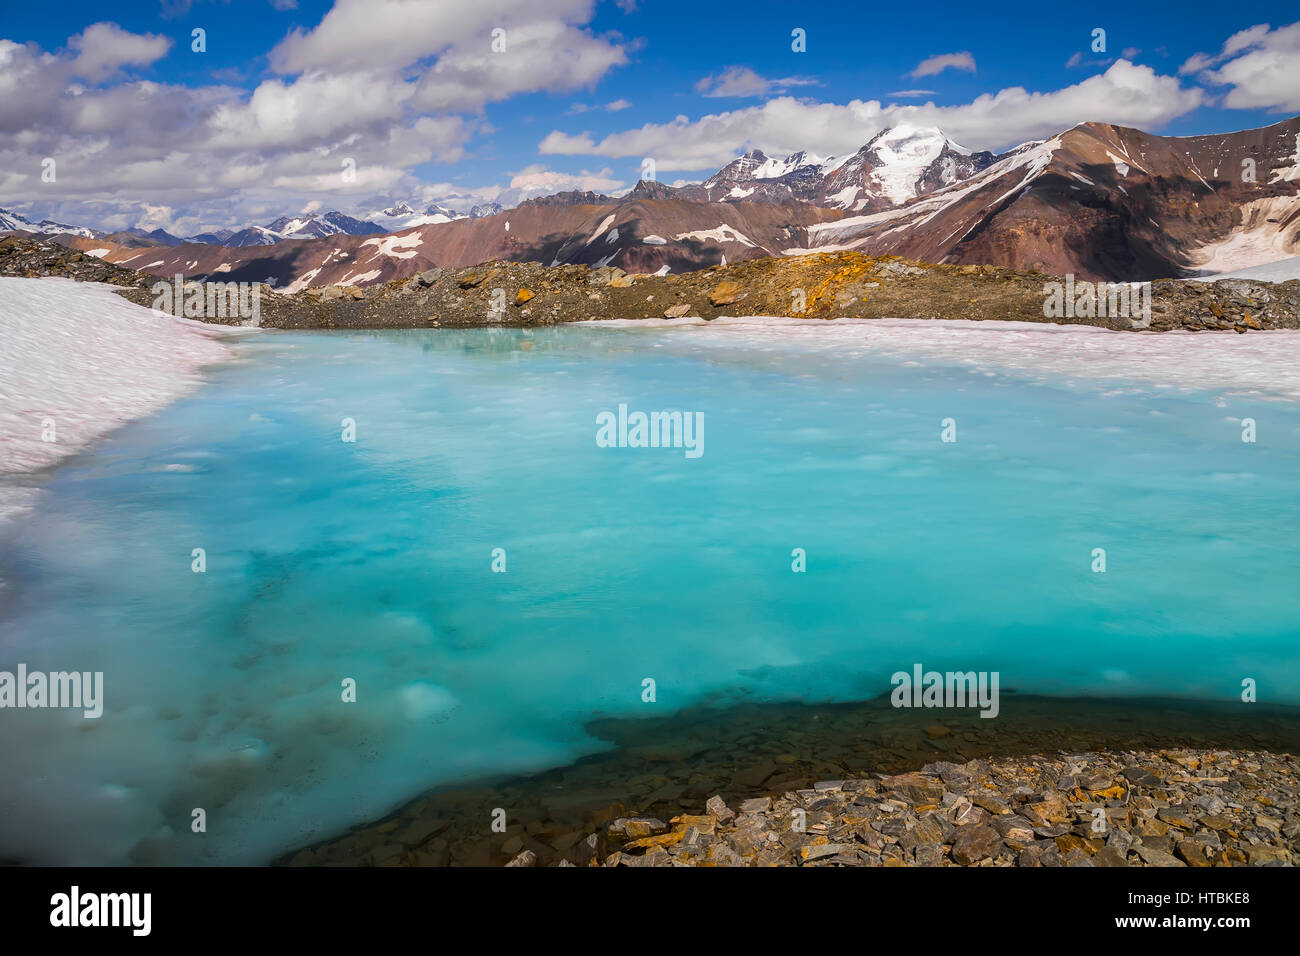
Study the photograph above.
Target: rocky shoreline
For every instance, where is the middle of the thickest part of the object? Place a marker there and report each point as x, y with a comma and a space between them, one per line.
816, 286
1176, 784
1193, 808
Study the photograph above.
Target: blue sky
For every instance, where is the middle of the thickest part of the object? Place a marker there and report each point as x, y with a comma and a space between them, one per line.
146, 131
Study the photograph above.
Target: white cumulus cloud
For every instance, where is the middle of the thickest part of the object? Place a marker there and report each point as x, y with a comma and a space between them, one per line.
1260, 65
104, 48
1126, 94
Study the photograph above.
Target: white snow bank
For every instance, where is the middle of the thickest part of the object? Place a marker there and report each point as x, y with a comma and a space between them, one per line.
77, 362
1260, 363
1279, 271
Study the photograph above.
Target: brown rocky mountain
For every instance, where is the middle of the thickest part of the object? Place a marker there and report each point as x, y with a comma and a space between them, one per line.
1105, 202
640, 235
1099, 201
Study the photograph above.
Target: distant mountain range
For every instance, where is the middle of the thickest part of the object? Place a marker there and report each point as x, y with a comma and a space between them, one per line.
14, 222
289, 227
314, 226
1100, 201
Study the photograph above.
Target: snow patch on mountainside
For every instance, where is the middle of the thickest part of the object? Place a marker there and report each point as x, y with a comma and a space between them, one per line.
844, 198
363, 277
1260, 239
721, 233
1291, 173
388, 245
300, 283
600, 230
1122, 167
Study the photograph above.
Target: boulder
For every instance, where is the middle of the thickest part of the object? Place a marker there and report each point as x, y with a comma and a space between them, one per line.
604, 275
726, 293
976, 843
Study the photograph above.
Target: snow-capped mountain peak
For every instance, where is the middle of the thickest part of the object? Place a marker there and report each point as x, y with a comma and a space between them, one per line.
896, 165
316, 226
900, 155
909, 136
775, 169
292, 227
402, 215
755, 165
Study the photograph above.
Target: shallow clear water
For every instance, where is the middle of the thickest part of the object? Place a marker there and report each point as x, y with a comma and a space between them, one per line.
372, 560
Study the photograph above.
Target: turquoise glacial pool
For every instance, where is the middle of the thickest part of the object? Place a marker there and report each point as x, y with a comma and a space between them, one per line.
372, 561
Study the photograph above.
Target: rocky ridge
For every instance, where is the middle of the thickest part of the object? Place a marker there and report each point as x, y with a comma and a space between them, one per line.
818, 286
